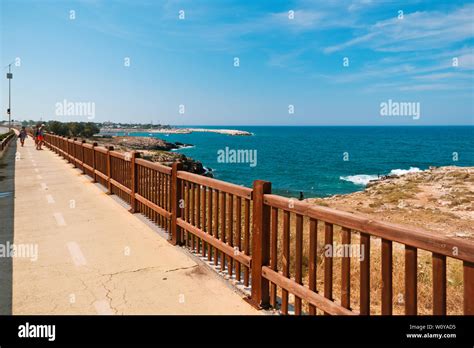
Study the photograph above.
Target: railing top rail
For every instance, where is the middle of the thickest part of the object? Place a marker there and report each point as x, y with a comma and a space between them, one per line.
223, 186
117, 154
411, 236
153, 165
100, 149
7, 137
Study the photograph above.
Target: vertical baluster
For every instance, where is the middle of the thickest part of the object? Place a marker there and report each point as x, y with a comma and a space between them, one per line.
176, 195
468, 279
151, 191
346, 270
223, 226
328, 261
138, 169
298, 259
411, 264
386, 277
216, 225
145, 189
313, 245
273, 253
203, 217
210, 206
133, 181
109, 169
183, 210
231, 232
83, 150
198, 215
157, 195
186, 210
246, 238
238, 236
286, 259
168, 200
193, 214
439, 284
365, 274
160, 195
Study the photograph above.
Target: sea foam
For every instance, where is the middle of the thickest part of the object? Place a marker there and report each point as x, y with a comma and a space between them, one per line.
405, 171
363, 179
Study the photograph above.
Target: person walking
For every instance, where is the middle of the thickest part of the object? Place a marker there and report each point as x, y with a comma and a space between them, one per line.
40, 137
23, 136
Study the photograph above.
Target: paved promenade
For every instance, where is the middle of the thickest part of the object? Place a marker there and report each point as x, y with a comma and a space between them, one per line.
94, 257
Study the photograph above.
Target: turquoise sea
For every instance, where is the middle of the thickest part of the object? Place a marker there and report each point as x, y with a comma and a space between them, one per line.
322, 161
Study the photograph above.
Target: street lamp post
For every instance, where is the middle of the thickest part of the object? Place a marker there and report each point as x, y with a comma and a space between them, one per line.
9, 110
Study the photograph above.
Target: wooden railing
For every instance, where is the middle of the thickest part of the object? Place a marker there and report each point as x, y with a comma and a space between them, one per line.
276, 245
6, 140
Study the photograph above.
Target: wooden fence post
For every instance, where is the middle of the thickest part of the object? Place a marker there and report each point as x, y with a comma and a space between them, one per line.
94, 178
82, 157
74, 163
133, 181
109, 170
260, 295
67, 150
468, 288
175, 198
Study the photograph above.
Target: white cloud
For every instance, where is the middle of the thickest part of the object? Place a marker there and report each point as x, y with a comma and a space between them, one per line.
358, 4
416, 31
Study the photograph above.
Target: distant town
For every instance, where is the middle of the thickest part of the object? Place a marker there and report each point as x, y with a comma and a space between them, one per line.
111, 128
101, 125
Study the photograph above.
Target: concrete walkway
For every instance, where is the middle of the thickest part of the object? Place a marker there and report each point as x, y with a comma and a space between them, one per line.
94, 257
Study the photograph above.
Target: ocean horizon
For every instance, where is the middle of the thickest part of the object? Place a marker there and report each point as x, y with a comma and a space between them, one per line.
322, 161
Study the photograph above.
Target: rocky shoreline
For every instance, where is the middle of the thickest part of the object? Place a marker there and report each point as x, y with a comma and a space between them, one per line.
439, 199
155, 150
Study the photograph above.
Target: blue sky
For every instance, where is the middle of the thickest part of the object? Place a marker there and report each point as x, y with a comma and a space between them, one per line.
283, 61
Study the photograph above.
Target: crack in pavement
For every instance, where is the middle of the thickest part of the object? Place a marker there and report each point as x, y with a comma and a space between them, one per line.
181, 268
108, 294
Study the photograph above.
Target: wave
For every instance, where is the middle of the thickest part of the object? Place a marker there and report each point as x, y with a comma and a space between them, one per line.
363, 179
184, 147
405, 171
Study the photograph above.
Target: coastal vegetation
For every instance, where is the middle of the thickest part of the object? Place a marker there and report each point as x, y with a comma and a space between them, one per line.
73, 129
